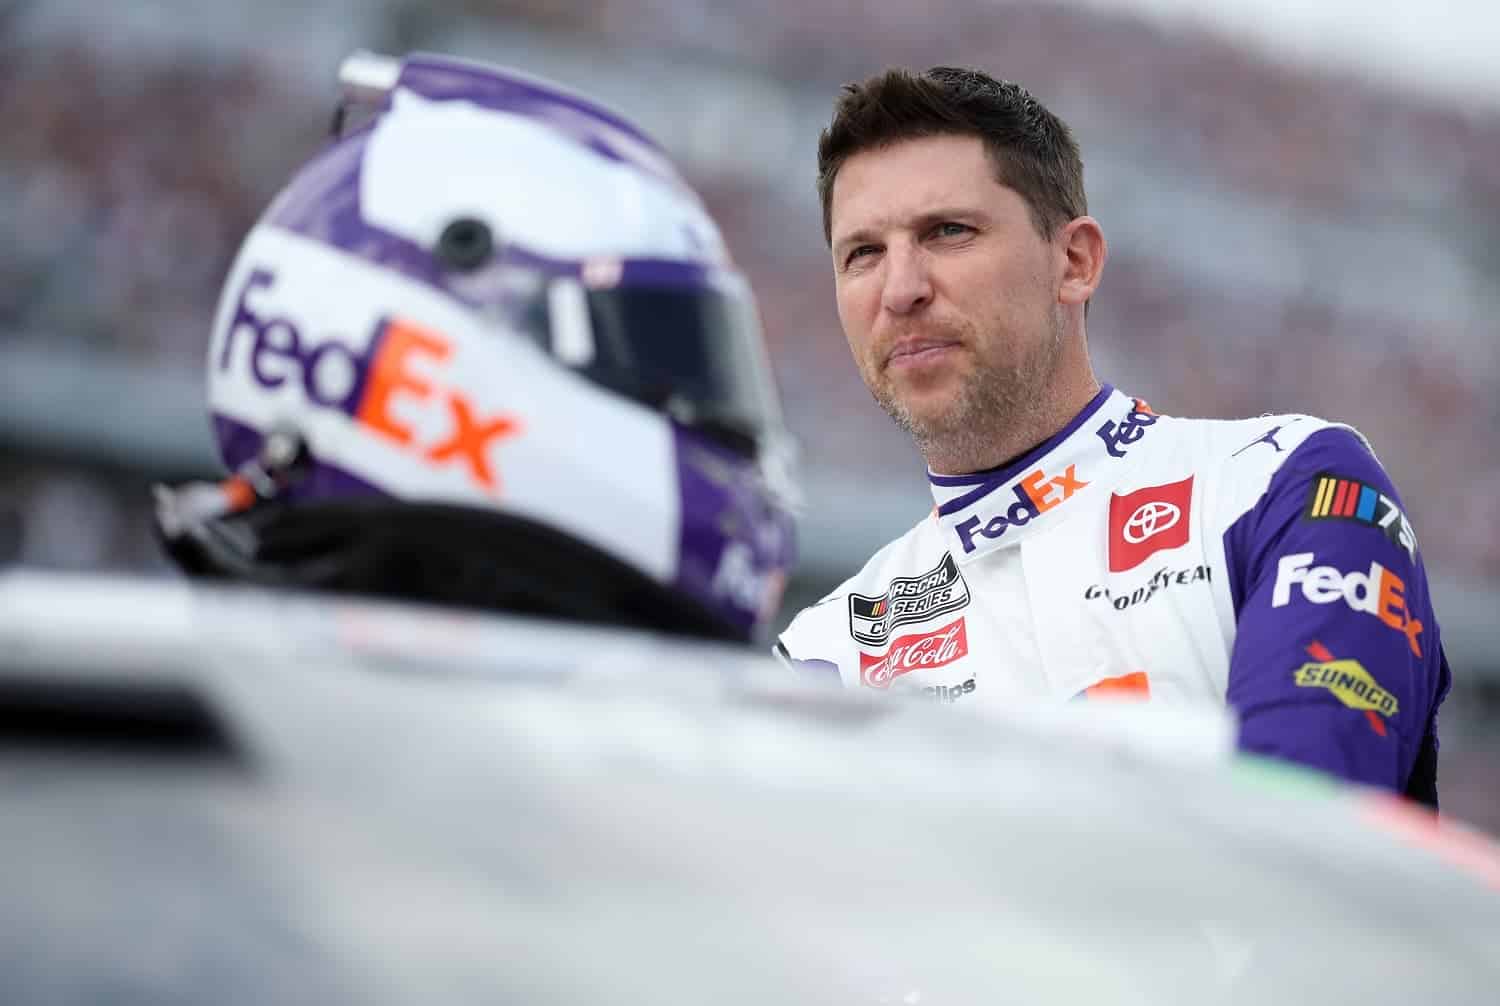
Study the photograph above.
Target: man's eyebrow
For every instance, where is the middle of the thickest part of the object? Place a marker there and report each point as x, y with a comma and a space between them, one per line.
920, 222
930, 217
861, 236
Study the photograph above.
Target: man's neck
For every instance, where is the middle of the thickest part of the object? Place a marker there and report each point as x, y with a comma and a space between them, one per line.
1014, 436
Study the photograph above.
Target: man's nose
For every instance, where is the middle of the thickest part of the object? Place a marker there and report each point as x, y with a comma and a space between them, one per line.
908, 287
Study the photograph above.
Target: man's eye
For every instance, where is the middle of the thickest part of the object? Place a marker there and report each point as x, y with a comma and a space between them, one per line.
949, 229
859, 252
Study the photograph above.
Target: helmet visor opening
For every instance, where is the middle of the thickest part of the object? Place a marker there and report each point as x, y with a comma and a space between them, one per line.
693, 351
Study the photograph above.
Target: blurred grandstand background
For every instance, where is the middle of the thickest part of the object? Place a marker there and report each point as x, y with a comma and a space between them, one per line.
1284, 237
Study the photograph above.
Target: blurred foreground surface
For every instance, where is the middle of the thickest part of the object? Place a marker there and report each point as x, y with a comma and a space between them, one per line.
234, 797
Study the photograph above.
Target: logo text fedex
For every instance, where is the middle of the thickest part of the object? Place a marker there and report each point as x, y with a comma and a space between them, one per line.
1130, 429
1379, 592
739, 581
365, 385
1035, 495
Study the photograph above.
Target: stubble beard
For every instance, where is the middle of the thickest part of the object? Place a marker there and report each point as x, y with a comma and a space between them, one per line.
994, 410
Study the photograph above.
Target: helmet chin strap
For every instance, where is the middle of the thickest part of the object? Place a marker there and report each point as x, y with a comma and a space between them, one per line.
191, 519
423, 552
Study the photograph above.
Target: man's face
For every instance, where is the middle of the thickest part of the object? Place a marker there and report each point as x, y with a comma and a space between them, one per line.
946, 292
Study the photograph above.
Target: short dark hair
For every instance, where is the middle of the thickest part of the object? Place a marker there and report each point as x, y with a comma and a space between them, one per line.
1033, 150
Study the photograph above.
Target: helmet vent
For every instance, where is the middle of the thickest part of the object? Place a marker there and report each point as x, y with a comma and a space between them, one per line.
465, 244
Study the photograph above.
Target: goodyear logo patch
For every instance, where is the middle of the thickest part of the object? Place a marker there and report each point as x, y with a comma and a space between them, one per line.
1350, 683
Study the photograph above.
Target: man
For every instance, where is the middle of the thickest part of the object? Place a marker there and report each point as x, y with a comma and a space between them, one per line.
437, 371
1082, 545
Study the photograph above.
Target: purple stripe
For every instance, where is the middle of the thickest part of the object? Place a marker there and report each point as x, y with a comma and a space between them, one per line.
955, 505
322, 204
722, 506
991, 478
239, 444
607, 134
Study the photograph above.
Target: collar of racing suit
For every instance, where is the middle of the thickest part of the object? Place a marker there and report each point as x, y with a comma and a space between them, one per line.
999, 507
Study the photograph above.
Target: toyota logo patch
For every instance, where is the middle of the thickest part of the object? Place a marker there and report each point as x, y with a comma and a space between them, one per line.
1151, 519
1148, 521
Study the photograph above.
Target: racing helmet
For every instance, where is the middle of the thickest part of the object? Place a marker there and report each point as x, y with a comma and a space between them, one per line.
487, 347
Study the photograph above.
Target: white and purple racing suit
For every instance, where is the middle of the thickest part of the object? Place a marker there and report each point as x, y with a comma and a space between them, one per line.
1263, 563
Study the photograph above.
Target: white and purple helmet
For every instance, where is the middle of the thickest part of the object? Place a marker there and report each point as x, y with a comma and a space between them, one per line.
498, 305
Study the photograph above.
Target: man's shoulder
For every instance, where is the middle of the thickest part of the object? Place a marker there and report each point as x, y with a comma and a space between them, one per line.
1268, 435
1242, 458
902, 556
1252, 449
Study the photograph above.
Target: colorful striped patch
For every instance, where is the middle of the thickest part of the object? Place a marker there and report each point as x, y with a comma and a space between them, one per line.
1334, 497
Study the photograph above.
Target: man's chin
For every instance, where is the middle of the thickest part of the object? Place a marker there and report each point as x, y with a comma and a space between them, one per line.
926, 418
931, 403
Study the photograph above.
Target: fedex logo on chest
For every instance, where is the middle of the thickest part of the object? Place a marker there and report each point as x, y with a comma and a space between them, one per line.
391, 387
1034, 495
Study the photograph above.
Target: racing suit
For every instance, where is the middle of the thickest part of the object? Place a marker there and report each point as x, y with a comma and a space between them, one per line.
1264, 563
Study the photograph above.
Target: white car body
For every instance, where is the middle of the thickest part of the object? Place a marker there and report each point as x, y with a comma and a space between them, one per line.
348, 801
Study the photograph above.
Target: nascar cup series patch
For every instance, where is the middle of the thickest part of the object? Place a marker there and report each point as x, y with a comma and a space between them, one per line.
907, 599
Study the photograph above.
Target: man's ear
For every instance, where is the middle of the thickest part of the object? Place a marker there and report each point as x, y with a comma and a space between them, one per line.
1084, 249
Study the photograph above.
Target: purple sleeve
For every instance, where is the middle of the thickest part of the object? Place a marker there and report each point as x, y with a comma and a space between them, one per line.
821, 672
1337, 662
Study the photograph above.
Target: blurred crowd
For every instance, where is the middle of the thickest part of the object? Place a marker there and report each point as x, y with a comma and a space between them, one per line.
128, 177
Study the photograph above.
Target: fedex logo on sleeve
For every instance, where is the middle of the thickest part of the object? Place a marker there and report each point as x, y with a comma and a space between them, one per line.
1378, 592
382, 387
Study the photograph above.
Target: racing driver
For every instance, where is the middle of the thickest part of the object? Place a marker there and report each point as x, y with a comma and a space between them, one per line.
1082, 545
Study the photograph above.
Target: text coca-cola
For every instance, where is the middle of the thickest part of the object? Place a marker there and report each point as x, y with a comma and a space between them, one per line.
917, 652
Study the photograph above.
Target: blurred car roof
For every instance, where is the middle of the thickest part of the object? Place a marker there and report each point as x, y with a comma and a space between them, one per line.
240, 796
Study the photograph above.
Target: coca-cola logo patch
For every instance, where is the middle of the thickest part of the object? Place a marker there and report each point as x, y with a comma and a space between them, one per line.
920, 651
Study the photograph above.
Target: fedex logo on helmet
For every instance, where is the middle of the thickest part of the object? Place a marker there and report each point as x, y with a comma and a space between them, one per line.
1035, 495
1378, 592
379, 387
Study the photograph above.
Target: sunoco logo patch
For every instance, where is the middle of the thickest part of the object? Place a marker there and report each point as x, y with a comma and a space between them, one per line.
1350, 683
908, 599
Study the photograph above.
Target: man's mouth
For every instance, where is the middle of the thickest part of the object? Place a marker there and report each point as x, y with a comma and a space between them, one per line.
914, 352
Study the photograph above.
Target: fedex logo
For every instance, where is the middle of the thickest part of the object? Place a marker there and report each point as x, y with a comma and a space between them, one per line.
365, 385
1130, 429
739, 581
1378, 592
1035, 495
